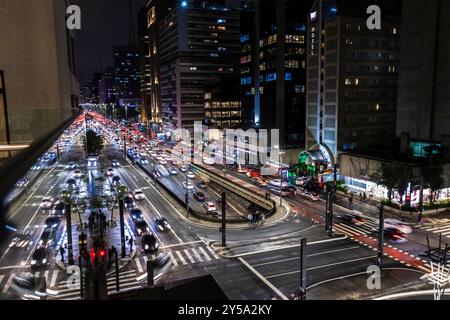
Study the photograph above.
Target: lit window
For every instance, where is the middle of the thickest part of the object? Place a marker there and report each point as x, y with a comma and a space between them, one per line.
193, 68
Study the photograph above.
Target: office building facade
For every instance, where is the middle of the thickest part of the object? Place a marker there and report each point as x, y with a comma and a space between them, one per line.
30, 108
273, 66
352, 76
127, 76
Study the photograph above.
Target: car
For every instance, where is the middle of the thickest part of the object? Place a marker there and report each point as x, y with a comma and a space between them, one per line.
163, 161
22, 240
354, 218
128, 201
77, 173
52, 222
162, 224
136, 214
59, 208
47, 203
278, 183
141, 227
210, 206
116, 180
183, 168
149, 243
190, 175
36, 167
110, 172
285, 192
396, 224
201, 185
395, 235
188, 185
40, 258
26, 284
115, 163
262, 182
138, 194
47, 238
301, 180
173, 171
199, 196
71, 165
310, 196
208, 161
161, 260
23, 182
144, 161
71, 183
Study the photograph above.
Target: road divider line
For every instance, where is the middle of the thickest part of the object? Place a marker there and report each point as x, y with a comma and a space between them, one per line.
263, 279
8, 283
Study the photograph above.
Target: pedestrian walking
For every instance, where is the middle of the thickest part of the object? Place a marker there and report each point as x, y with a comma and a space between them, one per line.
130, 242
62, 251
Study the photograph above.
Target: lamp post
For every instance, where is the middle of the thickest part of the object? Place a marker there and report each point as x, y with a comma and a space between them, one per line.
281, 153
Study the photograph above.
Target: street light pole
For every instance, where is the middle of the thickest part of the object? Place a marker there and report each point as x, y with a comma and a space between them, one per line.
281, 176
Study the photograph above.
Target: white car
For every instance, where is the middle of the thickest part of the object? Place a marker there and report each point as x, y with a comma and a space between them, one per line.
110, 172
188, 185
78, 174
173, 171
138, 194
209, 161
396, 224
190, 175
210, 206
47, 202
309, 196
301, 180
162, 161
183, 168
278, 183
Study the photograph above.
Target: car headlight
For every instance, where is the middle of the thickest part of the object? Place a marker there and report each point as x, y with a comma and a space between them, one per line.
146, 247
160, 227
44, 261
33, 262
139, 230
156, 245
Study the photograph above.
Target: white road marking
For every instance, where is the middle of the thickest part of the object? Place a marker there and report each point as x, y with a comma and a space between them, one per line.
181, 257
197, 255
8, 283
189, 255
212, 252
54, 277
181, 244
174, 261
320, 267
1, 277
204, 253
138, 265
267, 282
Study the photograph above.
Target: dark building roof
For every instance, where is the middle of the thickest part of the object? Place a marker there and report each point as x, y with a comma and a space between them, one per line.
200, 288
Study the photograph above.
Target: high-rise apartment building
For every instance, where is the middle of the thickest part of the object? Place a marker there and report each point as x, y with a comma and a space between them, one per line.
273, 67
126, 75
423, 112
106, 87
352, 76
194, 45
38, 85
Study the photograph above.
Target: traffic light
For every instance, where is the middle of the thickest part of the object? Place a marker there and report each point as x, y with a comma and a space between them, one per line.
93, 254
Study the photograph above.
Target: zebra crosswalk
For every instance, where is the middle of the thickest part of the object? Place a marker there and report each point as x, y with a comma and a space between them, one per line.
356, 230
185, 256
441, 227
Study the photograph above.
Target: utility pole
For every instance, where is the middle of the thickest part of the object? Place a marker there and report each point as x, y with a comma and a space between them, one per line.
187, 197
150, 274
122, 227
116, 260
303, 269
80, 264
329, 211
381, 238
68, 213
223, 229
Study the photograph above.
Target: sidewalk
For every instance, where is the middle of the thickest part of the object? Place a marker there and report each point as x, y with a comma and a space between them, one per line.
111, 237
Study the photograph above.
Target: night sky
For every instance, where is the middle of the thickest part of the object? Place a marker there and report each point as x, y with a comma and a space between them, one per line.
104, 23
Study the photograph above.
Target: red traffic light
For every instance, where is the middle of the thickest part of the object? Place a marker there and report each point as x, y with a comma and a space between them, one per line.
102, 253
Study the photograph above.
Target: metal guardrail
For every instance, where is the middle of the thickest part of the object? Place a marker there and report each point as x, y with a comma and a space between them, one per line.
259, 200
17, 167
